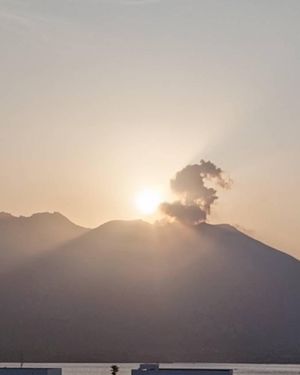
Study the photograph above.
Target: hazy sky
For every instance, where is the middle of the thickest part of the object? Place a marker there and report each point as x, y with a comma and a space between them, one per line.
101, 98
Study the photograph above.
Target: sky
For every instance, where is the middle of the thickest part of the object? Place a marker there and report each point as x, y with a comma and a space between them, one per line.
103, 98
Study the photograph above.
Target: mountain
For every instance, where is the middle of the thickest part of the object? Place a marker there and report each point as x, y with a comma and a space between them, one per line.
129, 291
24, 237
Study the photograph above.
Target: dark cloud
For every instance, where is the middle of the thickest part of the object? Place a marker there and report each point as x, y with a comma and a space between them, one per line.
195, 197
188, 214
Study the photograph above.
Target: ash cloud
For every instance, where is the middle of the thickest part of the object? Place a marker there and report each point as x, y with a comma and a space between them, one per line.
195, 197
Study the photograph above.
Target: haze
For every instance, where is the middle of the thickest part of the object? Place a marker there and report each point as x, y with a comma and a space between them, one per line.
102, 99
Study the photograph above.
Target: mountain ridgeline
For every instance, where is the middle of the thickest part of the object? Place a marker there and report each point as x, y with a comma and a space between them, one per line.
129, 291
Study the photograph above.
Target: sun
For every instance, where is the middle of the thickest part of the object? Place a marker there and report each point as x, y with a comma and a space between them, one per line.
148, 200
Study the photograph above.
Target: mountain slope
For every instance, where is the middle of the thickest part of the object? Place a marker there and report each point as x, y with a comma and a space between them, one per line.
23, 237
131, 291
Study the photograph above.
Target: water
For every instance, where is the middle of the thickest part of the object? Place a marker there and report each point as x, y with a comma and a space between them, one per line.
125, 368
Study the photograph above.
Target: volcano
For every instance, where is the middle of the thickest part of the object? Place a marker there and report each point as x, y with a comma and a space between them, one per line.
130, 291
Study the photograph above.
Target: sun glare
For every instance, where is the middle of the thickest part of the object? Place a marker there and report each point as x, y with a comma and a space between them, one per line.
147, 201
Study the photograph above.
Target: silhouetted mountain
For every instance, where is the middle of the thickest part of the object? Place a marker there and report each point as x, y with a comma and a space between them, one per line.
21, 237
136, 292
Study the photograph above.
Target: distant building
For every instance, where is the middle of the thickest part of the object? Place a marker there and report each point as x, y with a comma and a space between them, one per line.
29, 371
153, 369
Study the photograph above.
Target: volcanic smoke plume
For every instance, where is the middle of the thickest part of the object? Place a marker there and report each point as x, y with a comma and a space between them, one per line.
194, 196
